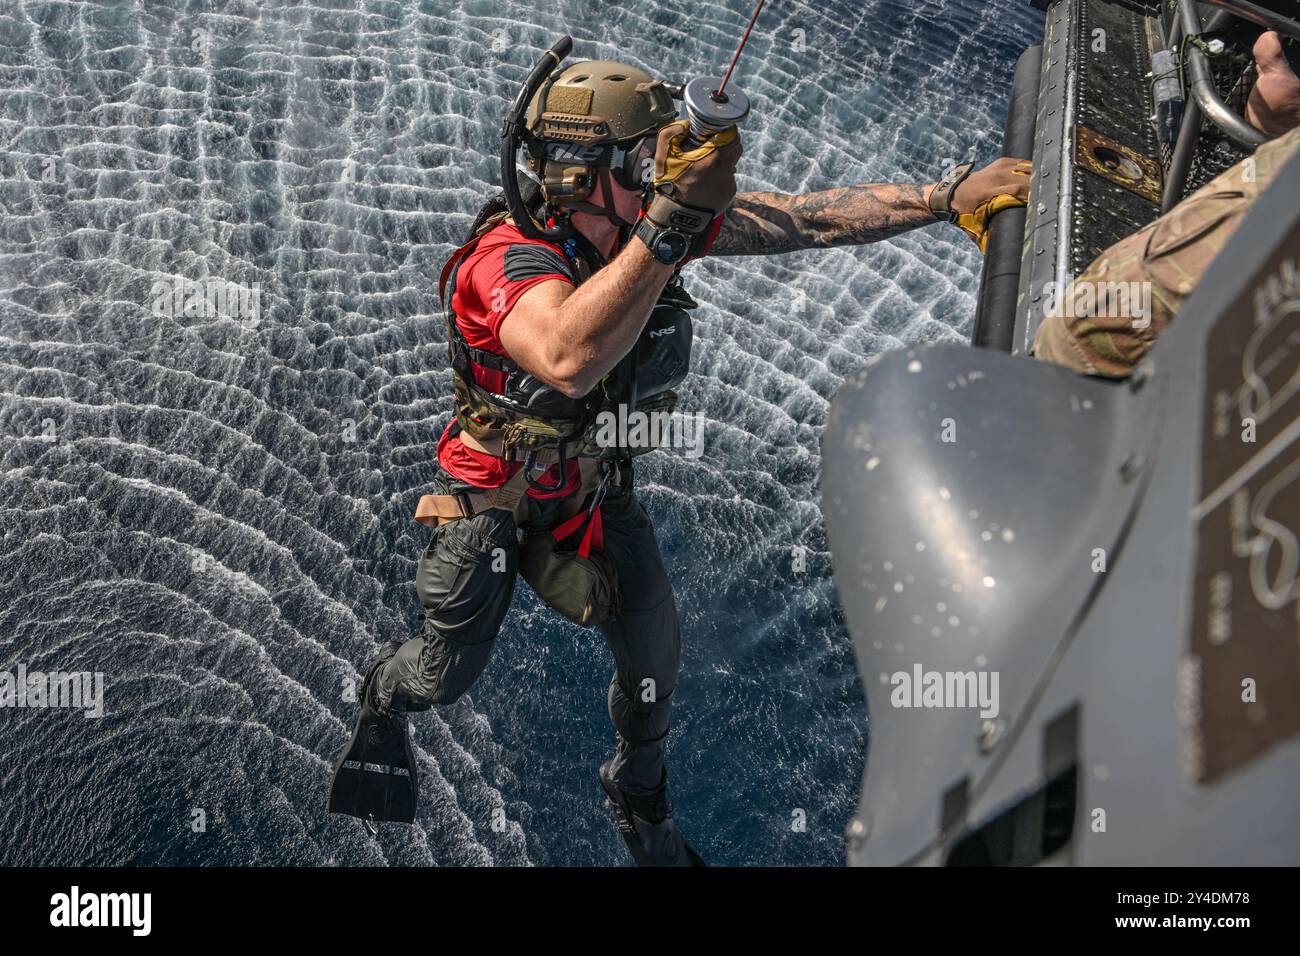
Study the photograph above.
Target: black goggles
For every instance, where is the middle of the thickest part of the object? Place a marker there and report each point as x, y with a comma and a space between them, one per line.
631, 163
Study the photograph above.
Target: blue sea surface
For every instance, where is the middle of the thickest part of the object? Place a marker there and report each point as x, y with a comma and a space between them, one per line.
216, 514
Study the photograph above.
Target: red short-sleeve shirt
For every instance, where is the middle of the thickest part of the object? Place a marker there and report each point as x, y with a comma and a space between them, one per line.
489, 281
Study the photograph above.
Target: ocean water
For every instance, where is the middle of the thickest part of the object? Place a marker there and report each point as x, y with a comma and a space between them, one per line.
215, 513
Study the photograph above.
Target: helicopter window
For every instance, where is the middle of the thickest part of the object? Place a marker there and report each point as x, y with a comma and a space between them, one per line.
1033, 830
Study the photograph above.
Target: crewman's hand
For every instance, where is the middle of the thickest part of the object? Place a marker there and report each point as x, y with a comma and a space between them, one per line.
703, 178
1274, 103
1002, 177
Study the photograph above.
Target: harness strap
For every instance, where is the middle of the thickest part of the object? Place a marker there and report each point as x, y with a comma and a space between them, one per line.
450, 265
594, 536
494, 445
589, 520
434, 510
490, 360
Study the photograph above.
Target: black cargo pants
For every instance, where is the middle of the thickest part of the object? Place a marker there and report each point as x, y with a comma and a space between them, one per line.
466, 578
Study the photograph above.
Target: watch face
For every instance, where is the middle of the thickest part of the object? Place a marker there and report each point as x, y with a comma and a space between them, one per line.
671, 247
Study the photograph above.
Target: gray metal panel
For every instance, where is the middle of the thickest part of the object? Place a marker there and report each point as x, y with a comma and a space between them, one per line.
1122, 661
1091, 99
947, 558
1126, 663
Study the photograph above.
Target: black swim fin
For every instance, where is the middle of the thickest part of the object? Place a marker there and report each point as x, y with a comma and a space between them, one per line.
375, 778
657, 843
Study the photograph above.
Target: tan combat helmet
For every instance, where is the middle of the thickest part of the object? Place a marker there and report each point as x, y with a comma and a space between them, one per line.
596, 113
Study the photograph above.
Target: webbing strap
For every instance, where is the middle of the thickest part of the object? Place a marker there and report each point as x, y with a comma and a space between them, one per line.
494, 445
450, 266
594, 535
432, 508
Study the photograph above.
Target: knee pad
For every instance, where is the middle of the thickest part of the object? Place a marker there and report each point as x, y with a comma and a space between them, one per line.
431, 671
638, 721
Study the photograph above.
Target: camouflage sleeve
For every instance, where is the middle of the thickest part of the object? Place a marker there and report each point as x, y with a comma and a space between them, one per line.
1108, 318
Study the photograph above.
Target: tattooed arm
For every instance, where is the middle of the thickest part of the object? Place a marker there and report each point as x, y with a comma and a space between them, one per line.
769, 223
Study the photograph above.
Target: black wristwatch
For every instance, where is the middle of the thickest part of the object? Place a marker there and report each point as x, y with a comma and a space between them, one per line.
941, 195
669, 246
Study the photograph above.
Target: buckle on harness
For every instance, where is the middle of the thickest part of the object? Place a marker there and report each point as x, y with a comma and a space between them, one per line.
434, 510
598, 498
530, 460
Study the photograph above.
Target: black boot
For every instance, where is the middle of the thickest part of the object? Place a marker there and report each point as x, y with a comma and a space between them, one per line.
375, 778
646, 823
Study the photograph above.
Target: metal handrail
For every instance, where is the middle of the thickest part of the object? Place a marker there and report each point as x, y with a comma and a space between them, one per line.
1200, 81
1259, 16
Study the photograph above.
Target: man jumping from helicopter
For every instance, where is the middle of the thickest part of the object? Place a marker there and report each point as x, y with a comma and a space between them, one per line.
565, 305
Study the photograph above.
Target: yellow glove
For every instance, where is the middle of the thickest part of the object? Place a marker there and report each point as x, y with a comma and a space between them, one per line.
702, 178
976, 224
673, 161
